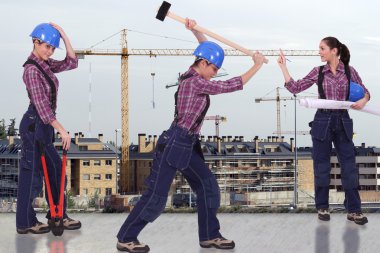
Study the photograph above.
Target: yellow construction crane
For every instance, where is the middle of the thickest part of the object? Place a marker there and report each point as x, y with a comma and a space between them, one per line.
278, 103
124, 52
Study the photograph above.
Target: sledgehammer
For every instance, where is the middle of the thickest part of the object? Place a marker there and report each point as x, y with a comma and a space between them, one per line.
163, 12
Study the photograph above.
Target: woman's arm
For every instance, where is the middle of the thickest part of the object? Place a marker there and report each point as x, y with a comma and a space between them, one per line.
190, 23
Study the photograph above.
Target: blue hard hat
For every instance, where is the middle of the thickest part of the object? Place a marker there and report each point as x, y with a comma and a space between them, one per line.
211, 52
356, 92
46, 33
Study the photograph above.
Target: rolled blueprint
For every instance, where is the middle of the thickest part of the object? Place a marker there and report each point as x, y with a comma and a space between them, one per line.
332, 104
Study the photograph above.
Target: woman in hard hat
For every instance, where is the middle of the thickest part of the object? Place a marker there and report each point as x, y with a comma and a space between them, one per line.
336, 80
178, 148
38, 124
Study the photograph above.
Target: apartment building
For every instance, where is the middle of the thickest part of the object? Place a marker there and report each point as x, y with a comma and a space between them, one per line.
91, 166
240, 166
261, 166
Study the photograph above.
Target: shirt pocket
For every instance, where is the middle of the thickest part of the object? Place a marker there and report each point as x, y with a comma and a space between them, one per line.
319, 129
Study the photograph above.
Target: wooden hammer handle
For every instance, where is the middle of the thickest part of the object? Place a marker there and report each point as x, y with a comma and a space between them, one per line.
213, 35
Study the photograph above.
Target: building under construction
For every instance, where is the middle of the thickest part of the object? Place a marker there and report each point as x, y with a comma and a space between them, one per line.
262, 171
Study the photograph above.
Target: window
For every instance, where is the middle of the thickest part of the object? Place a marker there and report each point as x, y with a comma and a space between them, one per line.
97, 162
97, 177
108, 176
108, 162
108, 191
83, 148
86, 177
97, 191
86, 163
85, 191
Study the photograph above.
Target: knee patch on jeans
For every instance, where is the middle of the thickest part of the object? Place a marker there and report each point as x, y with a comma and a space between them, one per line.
156, 204
322, 174
350, 181
212, 192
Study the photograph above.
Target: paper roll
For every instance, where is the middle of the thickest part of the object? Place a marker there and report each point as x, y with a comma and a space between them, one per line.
333, 104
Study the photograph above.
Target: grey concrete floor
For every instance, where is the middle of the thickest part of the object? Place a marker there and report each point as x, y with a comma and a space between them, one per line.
172, 233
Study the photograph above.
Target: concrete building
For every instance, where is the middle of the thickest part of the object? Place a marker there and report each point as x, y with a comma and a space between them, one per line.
91, 166
262, 170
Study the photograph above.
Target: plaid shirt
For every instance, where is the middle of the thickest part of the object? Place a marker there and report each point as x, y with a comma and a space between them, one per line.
335, 87
38, 87
193, 95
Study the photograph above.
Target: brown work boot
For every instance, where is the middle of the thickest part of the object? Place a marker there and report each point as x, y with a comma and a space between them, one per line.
70, 224
357, 217
324, 214
38, 228
219, 243
132, 247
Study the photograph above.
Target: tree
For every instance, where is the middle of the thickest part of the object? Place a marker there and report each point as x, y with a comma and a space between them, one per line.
11, 128
3, 133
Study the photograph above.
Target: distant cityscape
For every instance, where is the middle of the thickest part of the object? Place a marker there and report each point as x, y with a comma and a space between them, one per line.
258, 172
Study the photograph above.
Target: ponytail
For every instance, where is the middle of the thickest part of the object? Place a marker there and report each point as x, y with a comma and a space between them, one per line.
344, 54
343, 51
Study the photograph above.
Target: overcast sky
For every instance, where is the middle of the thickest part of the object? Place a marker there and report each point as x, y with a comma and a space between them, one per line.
294, 24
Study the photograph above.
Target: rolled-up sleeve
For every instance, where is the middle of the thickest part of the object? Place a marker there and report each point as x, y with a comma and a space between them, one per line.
33, 80
218, 87
302, 84
66, 64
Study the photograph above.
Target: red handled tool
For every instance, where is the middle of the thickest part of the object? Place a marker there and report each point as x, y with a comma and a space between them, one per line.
56, 211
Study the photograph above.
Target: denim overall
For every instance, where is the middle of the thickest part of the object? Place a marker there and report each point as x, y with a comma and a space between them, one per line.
334, 126
30, 181
177, 149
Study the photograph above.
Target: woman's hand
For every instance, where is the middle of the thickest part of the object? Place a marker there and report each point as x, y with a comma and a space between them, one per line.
281, 59
190, 23
69, 48
60, 30
66, 140
258, 58
360, 103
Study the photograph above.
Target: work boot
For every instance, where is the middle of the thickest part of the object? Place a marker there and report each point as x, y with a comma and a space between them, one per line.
38, 228
132, 247
357, 217
219, 243
70, 224
324, 214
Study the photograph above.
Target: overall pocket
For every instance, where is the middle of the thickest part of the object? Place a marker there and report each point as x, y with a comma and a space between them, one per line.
319, 128
348, 127
180, 151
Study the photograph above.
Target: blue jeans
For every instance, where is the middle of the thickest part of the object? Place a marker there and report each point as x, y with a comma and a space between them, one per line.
176, 150
30, 182
334, 127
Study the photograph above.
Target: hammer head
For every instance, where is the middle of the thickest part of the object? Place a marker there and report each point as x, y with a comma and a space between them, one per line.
163, 11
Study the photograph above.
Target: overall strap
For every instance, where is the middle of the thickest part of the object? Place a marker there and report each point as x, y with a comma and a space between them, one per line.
201, 116
53, 98
320, 81
348, 74
180, 80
